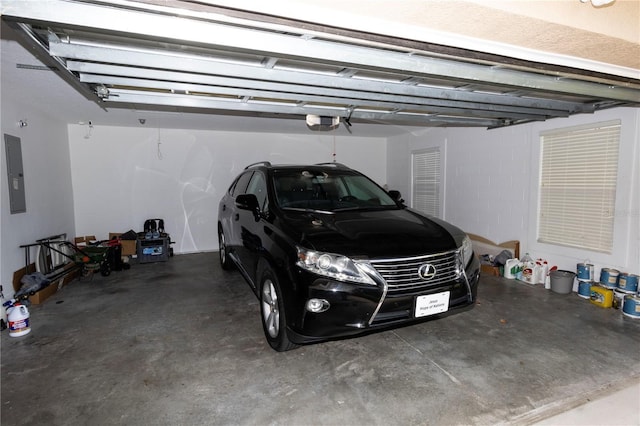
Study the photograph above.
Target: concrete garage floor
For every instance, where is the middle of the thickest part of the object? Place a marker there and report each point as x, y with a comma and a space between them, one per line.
180, 343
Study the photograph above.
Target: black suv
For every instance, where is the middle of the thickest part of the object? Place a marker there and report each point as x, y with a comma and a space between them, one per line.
329, 253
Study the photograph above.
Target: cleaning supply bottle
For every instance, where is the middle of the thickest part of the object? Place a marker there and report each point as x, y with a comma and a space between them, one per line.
537, 272
18, 318
541, 270
545, 275
511, 268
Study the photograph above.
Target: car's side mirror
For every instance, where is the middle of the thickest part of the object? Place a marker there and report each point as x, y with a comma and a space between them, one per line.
248, 202
396, 196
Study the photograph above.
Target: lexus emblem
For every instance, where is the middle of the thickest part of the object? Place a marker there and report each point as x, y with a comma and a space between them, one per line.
427, 271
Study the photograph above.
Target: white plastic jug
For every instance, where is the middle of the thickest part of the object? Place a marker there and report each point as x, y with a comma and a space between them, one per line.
511, 268
18, 321
540, 272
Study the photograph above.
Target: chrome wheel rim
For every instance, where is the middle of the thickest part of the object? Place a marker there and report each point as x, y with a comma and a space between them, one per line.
270, 313
223, 248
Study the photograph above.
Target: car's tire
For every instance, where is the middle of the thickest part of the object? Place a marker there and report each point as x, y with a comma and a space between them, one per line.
225, 261
273, 315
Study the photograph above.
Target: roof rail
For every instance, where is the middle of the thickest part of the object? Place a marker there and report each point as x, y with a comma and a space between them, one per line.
266, 163
337, 165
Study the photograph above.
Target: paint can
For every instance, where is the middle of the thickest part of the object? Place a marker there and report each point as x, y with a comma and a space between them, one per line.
631, 307
601, 296
584, 289
618, 299
18, 321
609, 278
628, 282
585, 271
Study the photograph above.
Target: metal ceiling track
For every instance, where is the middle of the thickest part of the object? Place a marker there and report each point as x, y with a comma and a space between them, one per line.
155, 55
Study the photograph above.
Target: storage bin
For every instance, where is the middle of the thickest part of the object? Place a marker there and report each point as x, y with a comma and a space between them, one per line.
153, 250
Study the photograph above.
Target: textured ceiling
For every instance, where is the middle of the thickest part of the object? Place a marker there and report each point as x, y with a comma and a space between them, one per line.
609, 34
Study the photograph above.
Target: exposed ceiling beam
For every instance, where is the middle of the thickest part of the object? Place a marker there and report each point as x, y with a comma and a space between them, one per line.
394, 104
134, 97
96, 59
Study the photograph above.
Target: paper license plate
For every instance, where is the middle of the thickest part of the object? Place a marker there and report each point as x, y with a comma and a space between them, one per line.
432, 304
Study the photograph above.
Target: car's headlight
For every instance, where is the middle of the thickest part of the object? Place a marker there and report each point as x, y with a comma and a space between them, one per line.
466, 249
333, 266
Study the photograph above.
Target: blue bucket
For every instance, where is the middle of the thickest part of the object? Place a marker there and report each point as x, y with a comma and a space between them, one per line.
628, 282
609, 277
585, 271
631, 307
584, 289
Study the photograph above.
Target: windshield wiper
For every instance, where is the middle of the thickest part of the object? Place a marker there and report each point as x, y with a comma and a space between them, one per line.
364, 208
307, 210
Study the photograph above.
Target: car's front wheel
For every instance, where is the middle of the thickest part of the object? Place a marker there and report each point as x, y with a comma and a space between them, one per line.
225, 262
273, 315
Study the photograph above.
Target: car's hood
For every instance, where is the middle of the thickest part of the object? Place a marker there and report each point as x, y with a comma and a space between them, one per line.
374, 234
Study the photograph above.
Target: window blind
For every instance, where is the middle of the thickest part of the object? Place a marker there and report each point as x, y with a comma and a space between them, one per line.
426, 181
578, 181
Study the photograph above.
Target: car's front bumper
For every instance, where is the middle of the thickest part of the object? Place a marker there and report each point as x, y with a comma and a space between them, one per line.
358, 309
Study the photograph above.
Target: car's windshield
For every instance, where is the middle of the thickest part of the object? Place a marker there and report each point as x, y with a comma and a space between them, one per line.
329, 191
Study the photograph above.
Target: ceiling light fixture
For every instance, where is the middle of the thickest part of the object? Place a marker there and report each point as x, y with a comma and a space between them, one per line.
598, 3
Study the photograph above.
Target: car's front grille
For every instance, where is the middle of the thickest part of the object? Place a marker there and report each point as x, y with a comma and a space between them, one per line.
402, 274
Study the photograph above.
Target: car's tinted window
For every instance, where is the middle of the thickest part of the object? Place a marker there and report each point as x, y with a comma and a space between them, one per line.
328, 191
240, 186
258, 187
361, 188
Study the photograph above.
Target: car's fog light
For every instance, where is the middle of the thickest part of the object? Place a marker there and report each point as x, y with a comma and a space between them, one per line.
317, 305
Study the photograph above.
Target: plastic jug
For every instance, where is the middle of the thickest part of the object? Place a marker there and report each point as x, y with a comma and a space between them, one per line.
526, 259
511, 268
18, 317
540, 271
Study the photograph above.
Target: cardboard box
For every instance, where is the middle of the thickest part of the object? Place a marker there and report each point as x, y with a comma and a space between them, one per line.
85, 240
39, 296
490, 270
45, 293
129, 247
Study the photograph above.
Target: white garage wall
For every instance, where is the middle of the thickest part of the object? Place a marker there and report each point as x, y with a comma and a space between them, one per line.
626, 250
125, 175
492, 178
47, 181
488, 174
